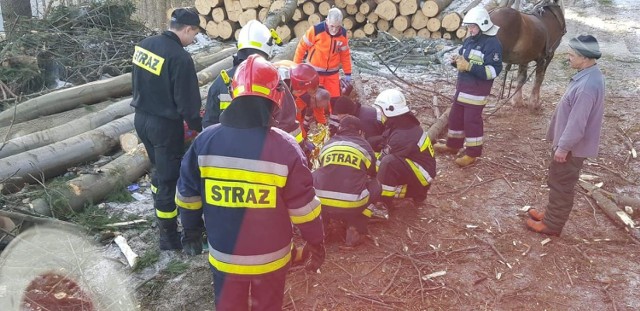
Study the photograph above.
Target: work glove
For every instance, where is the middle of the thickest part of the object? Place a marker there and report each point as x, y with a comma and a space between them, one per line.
462, 64
192, 242
299, 256
316, 256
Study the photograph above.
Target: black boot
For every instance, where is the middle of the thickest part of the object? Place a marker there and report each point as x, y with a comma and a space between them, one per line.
169, 236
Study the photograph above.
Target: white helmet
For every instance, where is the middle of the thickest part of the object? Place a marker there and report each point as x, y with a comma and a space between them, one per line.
479, 16
392, 103
255, 35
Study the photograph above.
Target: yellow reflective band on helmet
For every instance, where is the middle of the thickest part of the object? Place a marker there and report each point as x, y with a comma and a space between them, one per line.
167, 215
239, 194
250, 269
260, 89
250, 43
243, 175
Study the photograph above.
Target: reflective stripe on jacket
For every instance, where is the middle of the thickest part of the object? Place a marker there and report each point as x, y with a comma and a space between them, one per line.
251, 185
341, 179
485, 54
323, 51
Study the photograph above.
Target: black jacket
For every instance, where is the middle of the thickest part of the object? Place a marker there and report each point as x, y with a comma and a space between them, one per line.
164, 80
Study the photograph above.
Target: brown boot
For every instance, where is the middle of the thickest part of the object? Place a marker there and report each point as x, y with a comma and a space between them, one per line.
465, 160
444, 149
535, 214
540, 227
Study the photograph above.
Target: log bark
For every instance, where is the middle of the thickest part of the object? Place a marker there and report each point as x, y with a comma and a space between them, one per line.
619, 217
401, 23
432, 8
408, 7
227, 28
419, 20
124, 170
382, 25
434, 24
351, 9
129, 141
233, 9
387, 10
280, 16
218, 14
451, 21
51, 160
301, 28
309, 7
439, 126
367, 7
202, 6
86, 94
369, 29
246, 16
64, 131
249, 4
210, 73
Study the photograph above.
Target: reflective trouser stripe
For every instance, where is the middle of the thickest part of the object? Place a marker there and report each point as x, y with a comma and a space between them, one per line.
394, 191
422, 174
250, 265
167, 215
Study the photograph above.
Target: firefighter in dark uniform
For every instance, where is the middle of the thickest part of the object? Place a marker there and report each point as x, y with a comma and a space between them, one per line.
407, 165
250, 183
343, 181
254, 38
371, 127
165, 93
479, 62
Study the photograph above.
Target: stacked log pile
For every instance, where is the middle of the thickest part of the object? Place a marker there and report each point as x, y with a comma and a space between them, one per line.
222, 19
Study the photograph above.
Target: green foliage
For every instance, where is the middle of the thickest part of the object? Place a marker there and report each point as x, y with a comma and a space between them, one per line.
77, 44
176, 267
147, 259
94, 218
120, 195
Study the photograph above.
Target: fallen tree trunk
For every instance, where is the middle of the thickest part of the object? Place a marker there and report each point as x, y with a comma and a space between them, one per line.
89, 93
120, 172
619, 217
64, 131
281, 15
51, 160
439, 126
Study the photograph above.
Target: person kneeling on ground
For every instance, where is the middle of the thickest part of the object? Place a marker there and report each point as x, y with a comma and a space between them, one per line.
343, 181
407, 165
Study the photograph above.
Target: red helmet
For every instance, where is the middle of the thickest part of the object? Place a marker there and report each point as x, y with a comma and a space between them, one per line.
257, 77
304, 78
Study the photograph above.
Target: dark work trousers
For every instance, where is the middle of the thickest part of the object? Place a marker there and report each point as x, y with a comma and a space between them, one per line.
233, 293
395, 171
562, 181
354, 217
164, 140
465, 124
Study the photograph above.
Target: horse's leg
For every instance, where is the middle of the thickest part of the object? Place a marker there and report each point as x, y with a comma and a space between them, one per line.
504, 81
516, 100
541, 68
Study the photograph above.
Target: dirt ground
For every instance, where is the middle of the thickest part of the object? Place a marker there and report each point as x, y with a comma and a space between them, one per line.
467, 248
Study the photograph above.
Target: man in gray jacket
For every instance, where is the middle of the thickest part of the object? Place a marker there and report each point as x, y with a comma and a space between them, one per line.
575, 132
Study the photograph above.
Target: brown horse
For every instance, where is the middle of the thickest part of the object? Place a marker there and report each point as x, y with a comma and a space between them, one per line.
530, 37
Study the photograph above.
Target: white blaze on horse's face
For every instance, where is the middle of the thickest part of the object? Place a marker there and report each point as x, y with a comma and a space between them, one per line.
473, 30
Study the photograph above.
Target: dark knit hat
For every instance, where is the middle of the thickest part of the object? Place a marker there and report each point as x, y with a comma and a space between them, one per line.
344, 105
350, 123
185, 17
586, 45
